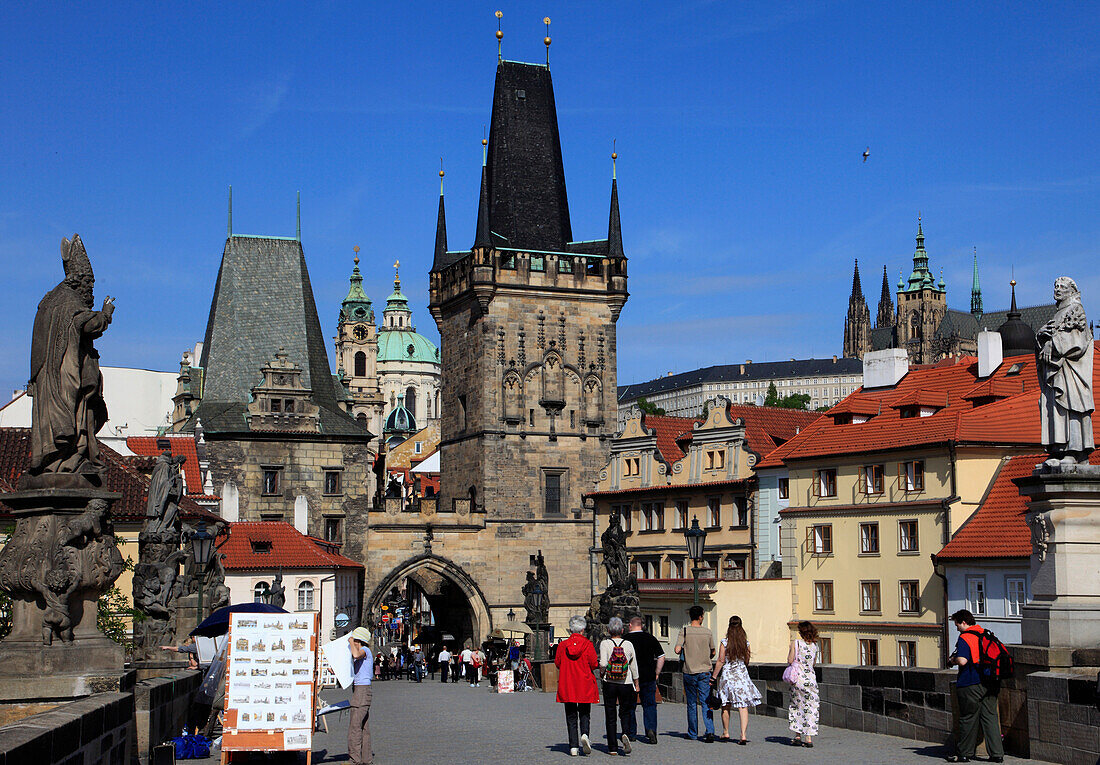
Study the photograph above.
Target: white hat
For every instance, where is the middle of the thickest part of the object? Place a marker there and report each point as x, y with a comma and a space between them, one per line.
362, 634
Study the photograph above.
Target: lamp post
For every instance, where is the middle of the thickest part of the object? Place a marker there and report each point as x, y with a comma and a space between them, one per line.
511, 614
696, 539
202, 545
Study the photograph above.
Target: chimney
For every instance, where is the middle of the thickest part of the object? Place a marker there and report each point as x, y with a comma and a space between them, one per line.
834, 358
301, 514
990, 352
230, 508
884, 369
748, 361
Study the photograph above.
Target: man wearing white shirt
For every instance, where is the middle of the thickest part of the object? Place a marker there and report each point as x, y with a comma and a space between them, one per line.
468, 665
444, 664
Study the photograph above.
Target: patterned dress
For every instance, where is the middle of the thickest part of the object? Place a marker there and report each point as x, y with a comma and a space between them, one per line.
805, 702
734, 686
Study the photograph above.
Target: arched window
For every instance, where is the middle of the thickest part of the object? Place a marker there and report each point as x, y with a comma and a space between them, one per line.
262, 592
410, 400
305, 596
360, 364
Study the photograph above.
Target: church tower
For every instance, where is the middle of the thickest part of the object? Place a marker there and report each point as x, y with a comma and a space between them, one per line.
976, 291
922, 304
357, 353
527, 318
885, 317
857, 325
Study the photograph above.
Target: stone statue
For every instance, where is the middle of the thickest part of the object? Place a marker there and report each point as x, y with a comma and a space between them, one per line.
157, 586
165, 492
1064, 361
65, 383
615, 559
278, 592
529, 589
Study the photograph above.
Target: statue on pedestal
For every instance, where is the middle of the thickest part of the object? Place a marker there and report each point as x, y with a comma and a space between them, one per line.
1064, 361
621, 597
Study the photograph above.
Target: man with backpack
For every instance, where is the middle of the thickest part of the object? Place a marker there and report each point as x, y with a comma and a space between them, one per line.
983, 662
619, 670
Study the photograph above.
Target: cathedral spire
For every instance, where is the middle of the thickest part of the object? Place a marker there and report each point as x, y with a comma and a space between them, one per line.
857, 287
614, 230
885, 316
440, 230
857, 324
976, 290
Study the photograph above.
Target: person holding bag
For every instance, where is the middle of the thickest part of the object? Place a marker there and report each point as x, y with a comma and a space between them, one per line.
805, 701
576, 660
619, 669
735, 689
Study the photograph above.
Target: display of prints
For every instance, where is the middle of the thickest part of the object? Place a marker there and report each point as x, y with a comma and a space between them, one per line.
271, 690
505, 681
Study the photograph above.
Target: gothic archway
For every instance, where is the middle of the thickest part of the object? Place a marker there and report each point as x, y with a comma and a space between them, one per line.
457, 602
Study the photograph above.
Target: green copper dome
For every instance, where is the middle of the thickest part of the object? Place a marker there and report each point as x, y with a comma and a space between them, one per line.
405, 345
356, 306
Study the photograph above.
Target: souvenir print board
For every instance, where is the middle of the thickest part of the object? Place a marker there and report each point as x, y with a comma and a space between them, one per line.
271, 689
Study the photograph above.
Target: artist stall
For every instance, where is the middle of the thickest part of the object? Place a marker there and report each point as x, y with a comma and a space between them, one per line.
271, 691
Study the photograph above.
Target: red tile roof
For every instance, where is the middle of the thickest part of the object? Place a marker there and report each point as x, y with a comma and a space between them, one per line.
289, 548
767, 427
179, 444
669, 430
1009, 421
15, 452
998, 528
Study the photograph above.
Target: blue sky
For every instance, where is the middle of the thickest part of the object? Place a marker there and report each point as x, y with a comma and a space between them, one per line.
739, 125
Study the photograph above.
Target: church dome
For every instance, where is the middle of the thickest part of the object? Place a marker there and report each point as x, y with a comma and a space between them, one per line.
406, 345
1017, 338
400, 421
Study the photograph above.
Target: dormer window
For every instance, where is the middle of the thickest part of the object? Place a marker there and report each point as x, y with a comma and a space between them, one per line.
260, 545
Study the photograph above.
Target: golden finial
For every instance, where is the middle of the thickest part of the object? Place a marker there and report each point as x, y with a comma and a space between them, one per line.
484, 147
500, 34
441, 176
396, 276
546, 40
614, 158
356, 258
1012, 283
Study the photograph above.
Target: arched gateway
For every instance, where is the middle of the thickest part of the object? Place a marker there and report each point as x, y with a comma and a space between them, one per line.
457, 603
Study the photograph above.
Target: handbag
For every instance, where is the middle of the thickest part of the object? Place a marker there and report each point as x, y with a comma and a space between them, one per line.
713, 702
791, 673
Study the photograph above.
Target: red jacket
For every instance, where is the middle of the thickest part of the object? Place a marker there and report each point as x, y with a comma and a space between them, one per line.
576, 659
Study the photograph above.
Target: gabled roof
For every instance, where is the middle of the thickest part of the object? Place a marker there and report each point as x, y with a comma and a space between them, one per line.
287, 548
15, 451
767, 427
669, 431
1009, 421
997, 529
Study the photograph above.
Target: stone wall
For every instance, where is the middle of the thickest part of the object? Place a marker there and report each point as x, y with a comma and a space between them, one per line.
92, 731
1063, 718
161, 706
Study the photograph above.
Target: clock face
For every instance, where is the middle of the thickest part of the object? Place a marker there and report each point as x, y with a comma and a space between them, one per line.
360, 332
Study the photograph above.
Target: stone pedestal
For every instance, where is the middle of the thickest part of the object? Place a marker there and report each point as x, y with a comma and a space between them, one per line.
1063, 510
61, 558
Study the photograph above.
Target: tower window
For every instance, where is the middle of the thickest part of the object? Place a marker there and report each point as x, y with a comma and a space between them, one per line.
360, 364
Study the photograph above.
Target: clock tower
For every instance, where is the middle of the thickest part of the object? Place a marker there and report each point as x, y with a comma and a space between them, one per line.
357, 354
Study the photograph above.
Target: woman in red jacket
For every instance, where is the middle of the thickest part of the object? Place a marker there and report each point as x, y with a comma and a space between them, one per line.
576, 660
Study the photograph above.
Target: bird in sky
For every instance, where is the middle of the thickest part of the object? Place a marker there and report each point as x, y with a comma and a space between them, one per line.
866, 153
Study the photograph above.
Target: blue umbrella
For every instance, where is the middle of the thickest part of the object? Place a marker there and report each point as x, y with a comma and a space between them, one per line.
218, 622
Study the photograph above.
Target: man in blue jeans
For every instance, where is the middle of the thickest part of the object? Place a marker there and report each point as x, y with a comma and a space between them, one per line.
651, 659
696, 648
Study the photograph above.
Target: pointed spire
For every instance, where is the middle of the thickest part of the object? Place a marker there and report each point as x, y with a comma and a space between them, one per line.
1012, 312
440, 229
920, 233
976, 290
481, 237
614, 230
884, 295
230, 232
298, 227
857, 286
885, 316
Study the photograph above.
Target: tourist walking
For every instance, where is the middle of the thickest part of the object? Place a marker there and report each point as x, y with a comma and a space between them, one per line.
735, 689
695, 646
977, 692
651, 660
805, 701
362, 666
576, 660
456, 666
477, 660
468, 665
619, 670
418, 665
444, 664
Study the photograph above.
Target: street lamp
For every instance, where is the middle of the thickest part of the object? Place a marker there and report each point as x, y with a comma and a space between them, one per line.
202, 545
511, 614
696, 539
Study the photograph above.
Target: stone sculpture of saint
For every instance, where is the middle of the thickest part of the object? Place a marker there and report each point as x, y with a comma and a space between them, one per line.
165, 492
1065, 361
65, 383
615, 559
542, 576
278, 592
529, 588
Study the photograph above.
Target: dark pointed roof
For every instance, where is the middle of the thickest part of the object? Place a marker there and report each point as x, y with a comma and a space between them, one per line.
857, 287
885, 297
440, 237
482, 236
614, 230
263, 301
1017, 338
528, 206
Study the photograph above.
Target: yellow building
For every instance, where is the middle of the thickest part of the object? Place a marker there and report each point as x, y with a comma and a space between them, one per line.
879, 484
664, 472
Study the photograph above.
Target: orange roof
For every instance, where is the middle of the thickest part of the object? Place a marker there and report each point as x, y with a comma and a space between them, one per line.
1010, 421
179, 444
286, 548
669, 430
15, 453
767, 427
856, 405
998, 528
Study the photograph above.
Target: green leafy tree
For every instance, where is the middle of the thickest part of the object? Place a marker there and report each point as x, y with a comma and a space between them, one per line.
115, 615
772, 396
648, 408
793, 401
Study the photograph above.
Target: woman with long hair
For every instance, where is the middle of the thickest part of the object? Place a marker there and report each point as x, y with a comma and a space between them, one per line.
805, 701
735, 689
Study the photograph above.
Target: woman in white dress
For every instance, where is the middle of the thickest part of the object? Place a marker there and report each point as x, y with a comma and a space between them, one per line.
735, 689
805, 701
